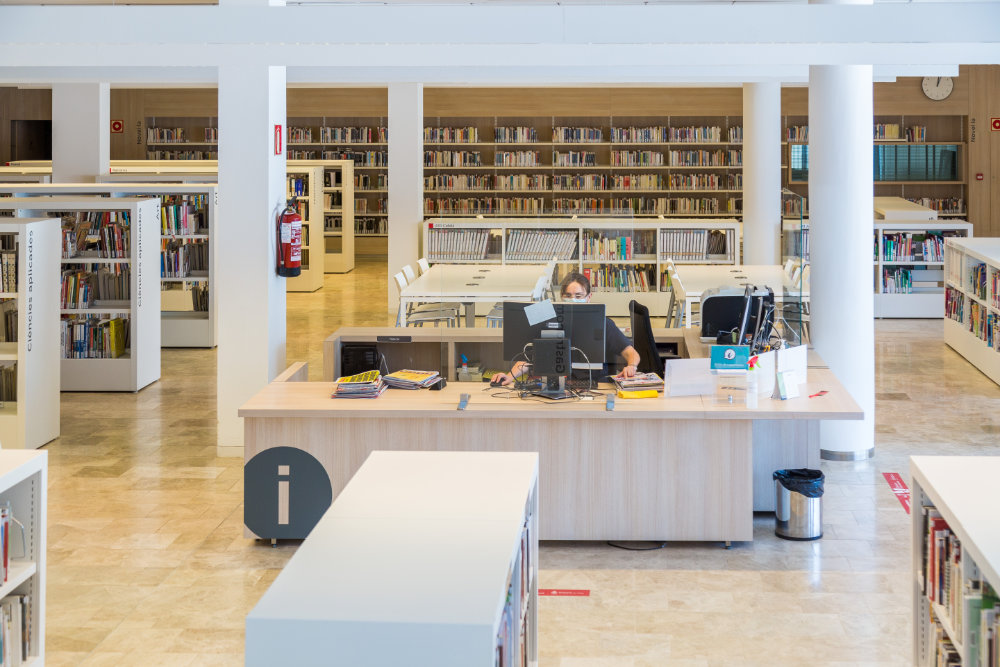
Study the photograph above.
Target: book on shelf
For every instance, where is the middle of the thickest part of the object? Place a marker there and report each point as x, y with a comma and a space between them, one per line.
577, 135
166, 135
636, 159
353, 135
797, 134
694, 244
182, 215
541, 244
298, 135
510, 135
93, 337
619, 278
8, 311
297, 186
182, 260
15, 629
517, 159
574, 159
886, 131
8, 384
453, 159
182, 155
97, 234
80, 288
212, 135
458, 244
8, 270
410, 379
451, 135
611, 246
368, 384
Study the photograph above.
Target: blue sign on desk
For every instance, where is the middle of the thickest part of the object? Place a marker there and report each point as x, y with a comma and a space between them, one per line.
730, 357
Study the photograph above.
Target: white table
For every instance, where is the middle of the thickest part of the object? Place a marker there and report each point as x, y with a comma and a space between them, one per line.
469, 284
695, 280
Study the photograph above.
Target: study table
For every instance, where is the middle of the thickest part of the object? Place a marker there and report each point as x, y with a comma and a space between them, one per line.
681, 468
470, 284
695, 280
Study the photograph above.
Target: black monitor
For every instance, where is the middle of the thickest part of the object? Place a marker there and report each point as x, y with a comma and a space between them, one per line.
582, 323
739, 310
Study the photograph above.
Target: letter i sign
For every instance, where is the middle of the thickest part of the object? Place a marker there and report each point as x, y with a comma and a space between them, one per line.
995, 124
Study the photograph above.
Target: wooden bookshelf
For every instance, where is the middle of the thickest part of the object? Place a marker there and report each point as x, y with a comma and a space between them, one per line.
941, 152
470, 568
588, 246
972, 302
29, 353
308, 201
182, 138
24, 485
947, 500
139, 364
602, 166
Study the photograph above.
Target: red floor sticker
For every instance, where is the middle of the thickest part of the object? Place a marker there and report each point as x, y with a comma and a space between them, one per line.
899, 487
564, 592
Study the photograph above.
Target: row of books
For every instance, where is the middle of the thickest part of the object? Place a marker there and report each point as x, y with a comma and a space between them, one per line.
8, 271
297, 186
183, 260
941, 651
576, 135
183, 214
8, 321
977, 279
603, 246
541, 244
797, 133
512, 633
794, 207
93, 337
941, 204
370, 226
372, 158
299, 135
619, 279
969, 604
912, 247
517, 158
694, 244
482, 206
458, 244
166, 135
102, 234
16, 635
897, 280
362, 206
954, 304
8, 392
364, 182
636, 158
333, 200
574, 159
676, 205
212, 135
451, 135
519, 135
182, 155
886, 131
982, 323
453, 159
80, 289
995, 288
354, 135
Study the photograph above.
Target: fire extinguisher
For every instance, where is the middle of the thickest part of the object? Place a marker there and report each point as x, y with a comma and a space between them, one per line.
289, 242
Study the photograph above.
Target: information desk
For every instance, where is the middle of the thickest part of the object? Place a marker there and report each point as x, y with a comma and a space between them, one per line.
653, 469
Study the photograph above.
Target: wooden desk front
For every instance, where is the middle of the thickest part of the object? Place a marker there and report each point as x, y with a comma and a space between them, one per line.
655, 469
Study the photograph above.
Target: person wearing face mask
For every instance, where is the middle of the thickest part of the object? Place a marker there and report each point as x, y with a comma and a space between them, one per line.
576, 289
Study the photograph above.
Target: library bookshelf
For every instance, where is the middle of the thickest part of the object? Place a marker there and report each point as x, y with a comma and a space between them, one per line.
182, 138
602, 166
132, 323
29, 355
23, 484
362, 142
189, 316
304, 192
917, 157
337, 204
463, 593
972, 302
955, 561
909, 266
624, 259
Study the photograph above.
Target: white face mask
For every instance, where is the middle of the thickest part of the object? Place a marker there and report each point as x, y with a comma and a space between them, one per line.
572, 299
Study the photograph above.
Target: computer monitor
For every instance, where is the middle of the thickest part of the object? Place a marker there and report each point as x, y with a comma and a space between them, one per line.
582, 323
731, 309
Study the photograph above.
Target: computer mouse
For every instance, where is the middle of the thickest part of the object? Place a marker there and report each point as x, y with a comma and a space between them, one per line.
496, 383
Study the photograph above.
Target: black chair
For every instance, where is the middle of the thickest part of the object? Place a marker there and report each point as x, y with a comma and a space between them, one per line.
651, 358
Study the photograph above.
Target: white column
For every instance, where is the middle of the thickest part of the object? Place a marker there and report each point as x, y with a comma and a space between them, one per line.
406, 179
840, 223
251, 194
81, 132
761, 172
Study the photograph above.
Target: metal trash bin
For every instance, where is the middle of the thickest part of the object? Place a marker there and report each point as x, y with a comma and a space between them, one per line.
798, 506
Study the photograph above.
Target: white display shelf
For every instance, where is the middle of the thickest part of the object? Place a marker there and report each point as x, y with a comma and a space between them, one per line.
954, 486
141, 366
24, 484
960, 255
350, 591
171, 334
311, 277
33, 419
616, 302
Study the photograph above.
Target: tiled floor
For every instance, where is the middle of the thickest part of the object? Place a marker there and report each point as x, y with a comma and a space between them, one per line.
148, 566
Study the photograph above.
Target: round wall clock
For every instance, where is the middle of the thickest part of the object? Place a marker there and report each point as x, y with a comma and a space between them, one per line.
937, 88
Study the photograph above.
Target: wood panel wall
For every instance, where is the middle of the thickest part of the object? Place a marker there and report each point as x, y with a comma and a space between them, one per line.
21, 104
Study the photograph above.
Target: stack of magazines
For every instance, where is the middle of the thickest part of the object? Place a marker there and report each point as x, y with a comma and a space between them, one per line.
408, 379
363, 385
639, 381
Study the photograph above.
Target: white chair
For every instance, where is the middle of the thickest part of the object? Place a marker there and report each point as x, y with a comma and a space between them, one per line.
423, 265
495, 317
539, 292
419, 317
424, 307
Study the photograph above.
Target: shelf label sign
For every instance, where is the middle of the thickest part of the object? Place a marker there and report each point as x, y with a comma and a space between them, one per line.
277, 139
564, 592
117, 126
995, 124
899, 488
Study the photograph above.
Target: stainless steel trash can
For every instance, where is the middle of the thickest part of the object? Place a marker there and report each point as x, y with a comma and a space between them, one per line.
798, 515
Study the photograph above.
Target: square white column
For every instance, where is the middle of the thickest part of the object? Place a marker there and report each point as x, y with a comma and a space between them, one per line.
761, 172
251, 195
406, 179
81, 132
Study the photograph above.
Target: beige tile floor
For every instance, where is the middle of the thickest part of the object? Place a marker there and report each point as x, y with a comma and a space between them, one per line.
148, 566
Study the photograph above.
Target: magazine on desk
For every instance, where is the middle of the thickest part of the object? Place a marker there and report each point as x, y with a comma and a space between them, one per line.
363, 385
639, 381
410, 379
